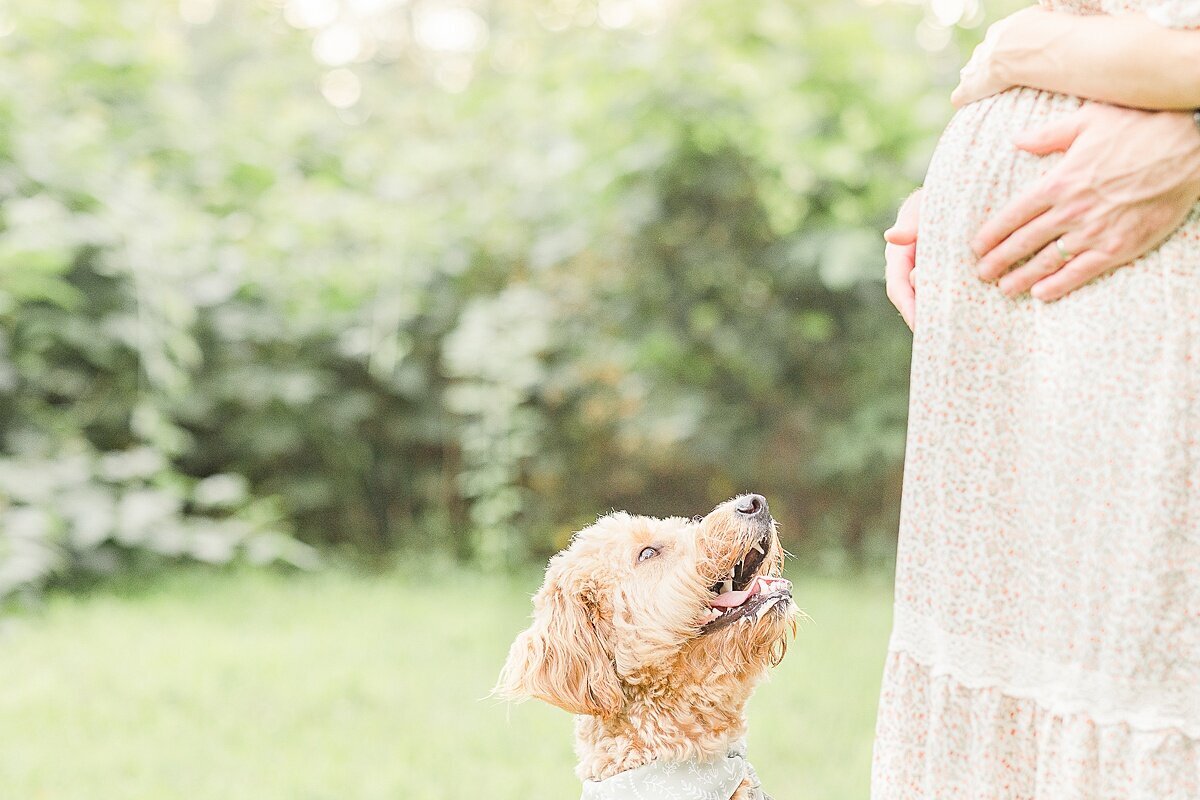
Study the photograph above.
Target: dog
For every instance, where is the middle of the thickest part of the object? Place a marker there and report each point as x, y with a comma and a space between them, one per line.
655, 632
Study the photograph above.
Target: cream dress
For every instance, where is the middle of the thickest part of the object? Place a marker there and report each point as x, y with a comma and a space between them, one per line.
1046, 639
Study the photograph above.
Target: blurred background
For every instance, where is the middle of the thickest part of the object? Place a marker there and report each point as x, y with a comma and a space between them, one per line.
324, 322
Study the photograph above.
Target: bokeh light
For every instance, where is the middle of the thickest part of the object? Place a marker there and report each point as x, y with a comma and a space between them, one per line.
341, 87
448, 28
310, 13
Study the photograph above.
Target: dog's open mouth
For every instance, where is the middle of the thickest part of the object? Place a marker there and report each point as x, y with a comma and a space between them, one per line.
743, 594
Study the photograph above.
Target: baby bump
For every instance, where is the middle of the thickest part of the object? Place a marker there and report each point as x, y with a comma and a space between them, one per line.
1069, 431
1010, 377
976, 170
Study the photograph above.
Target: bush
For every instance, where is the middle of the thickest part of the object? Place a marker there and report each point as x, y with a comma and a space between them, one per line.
469, 276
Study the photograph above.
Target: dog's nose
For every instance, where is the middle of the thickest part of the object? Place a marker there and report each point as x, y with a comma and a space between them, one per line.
751, 505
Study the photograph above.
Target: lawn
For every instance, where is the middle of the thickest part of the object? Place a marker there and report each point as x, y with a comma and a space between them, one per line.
337, 686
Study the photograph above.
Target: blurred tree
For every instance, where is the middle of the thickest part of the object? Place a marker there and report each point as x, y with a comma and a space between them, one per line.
449, 276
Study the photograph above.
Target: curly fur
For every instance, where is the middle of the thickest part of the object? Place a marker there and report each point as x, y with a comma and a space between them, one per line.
618, 641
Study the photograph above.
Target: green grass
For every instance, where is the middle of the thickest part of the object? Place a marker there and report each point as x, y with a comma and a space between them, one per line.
344, 687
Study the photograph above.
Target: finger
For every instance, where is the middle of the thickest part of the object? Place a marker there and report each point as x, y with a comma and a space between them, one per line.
908, 218
1053, 138
905, 300
1010, 219
1022, 244
898, 272
1046, 262
900, 260
1056, 136
1076, 273
973, 88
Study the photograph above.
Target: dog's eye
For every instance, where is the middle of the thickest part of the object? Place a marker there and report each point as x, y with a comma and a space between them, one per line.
698, 518
647, 552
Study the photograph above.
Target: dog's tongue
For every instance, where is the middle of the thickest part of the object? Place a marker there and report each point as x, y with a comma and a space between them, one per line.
733, 599
757, 586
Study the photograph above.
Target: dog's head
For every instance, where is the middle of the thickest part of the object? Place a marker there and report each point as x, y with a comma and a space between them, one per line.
638, 604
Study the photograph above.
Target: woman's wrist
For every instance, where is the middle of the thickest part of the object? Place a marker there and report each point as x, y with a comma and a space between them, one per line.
1187, 154
1024, 51
1125, 60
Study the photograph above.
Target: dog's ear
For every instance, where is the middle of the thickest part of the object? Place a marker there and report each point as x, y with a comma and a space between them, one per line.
561, 658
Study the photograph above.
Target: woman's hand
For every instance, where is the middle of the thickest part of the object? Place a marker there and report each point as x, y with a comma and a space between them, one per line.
1127, 180
990, 70
900, 255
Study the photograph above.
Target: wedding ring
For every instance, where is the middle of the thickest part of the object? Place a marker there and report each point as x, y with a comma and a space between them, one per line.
1063, 253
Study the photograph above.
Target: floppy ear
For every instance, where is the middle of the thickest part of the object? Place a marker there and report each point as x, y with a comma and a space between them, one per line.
561, 659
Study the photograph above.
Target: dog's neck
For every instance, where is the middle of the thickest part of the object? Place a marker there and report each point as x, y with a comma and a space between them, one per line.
665, 723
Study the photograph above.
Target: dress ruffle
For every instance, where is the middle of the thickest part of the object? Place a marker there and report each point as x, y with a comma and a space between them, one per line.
938, 738
1066, 689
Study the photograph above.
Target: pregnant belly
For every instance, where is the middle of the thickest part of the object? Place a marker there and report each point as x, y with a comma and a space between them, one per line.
976, 169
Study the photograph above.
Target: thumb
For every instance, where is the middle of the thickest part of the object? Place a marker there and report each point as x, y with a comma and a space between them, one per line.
1053, 138
904, 230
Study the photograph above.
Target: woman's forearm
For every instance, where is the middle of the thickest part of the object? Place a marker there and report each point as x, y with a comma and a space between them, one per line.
1125, 60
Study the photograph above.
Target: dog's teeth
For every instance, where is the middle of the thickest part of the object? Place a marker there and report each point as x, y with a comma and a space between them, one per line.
758, 547
765, 607
727, 586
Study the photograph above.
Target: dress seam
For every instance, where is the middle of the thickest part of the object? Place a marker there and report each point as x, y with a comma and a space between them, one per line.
932, 650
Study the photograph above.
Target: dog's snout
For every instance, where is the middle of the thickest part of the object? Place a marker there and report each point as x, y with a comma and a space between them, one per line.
751, 505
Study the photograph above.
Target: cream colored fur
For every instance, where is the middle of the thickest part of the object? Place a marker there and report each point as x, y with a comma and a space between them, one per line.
617, 641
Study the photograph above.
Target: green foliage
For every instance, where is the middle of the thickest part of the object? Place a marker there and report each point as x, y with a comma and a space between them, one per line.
453, 294
86, 511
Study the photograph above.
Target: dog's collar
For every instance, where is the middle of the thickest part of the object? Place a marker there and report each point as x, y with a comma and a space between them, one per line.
680, 780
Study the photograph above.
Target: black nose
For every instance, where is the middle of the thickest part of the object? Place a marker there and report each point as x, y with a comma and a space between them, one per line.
751, 505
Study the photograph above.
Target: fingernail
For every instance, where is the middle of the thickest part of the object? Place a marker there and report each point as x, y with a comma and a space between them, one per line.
985, 272
1008, 290
977, 248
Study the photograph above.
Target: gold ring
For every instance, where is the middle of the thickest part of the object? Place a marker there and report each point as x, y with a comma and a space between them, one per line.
1063, 253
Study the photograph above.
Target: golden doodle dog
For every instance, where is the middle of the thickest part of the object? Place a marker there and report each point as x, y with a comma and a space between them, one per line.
655, 632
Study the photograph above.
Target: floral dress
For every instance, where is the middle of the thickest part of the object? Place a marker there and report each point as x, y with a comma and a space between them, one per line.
1046, 639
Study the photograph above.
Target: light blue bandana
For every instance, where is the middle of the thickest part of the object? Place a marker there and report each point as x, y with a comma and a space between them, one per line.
680, 780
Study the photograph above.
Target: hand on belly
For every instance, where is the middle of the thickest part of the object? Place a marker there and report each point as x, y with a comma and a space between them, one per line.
900, 255
1128, 180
